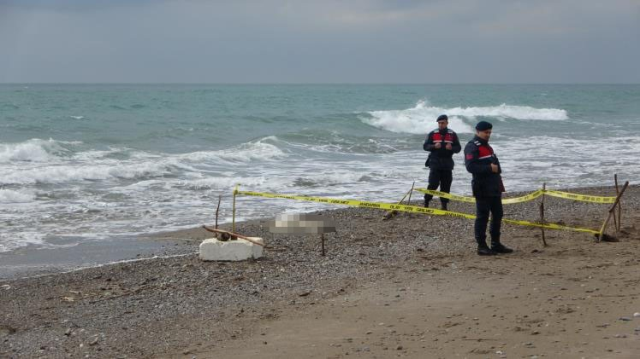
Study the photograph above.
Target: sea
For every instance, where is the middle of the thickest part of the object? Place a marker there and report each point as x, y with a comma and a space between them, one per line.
102, 162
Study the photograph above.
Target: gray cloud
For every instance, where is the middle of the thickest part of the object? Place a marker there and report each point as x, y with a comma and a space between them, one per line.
364, 41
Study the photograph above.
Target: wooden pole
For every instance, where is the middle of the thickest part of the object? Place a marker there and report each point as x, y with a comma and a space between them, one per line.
218, 209
615, 177
410, 193
393, 212
611, 211
233, 217
322, 239
544, 188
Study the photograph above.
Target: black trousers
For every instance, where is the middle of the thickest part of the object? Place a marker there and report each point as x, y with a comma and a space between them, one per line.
484, 206
442, 178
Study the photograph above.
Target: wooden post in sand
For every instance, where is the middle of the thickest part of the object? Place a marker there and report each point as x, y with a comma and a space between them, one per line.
233, 216
612, 211
615, 178
544, 240
218, 209
393, 212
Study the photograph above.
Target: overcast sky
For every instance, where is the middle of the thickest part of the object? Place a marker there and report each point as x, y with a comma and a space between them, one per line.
320, 41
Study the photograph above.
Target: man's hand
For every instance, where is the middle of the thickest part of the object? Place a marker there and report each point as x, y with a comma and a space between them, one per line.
494, 168
449, 147
437, 145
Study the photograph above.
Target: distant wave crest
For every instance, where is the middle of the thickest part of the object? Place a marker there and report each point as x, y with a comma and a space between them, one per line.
419, 119
35, 150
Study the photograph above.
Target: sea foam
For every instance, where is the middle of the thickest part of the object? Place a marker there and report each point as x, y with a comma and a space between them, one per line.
421, 118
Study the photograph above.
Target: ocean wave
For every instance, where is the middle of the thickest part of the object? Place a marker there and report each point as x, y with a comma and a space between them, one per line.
104, 171
15, 240
246, 152
10, 196
34, 150
421, 118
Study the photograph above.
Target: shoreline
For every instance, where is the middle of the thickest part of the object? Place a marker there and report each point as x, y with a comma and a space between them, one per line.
26, 262
418, 275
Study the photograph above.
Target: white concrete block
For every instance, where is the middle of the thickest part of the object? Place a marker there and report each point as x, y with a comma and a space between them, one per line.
213, 249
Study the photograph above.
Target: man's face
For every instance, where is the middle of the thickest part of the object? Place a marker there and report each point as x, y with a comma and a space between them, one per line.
442, 124
485, 135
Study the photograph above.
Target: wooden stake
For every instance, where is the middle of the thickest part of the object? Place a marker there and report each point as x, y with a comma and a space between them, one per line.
544, 188
612, 211
233, 217
218, 209
615, 177
410, 193
393, 212
322, 239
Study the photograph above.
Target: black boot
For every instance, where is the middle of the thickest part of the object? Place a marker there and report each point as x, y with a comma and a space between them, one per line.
498, 247
426, 201
484, 250
444, 206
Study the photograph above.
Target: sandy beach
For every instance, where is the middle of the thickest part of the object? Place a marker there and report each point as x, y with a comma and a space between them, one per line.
408, 287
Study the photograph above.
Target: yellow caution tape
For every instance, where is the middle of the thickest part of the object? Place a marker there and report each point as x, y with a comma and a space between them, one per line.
454, 197
528, 197
580, 197
405, 208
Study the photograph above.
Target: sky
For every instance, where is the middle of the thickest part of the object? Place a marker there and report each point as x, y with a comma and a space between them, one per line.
320, 41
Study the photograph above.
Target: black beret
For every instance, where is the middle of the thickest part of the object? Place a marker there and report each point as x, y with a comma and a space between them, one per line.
442, 118
483, 126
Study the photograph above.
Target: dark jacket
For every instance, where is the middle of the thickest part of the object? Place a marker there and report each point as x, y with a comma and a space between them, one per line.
440, 158
478, 157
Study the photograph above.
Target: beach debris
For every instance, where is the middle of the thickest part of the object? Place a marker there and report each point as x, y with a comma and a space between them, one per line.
213, 249
233, 236
94, 341
625, 319
305, 293
636, 315
6, 330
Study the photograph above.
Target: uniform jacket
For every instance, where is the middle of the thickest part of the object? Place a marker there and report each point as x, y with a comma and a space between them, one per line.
478, 157
440, 158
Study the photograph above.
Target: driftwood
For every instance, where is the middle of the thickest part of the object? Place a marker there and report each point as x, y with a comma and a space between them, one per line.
231, 234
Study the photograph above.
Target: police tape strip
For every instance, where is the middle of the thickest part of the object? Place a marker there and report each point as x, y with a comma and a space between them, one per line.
528, 197
454, 197
407, 208
580, 197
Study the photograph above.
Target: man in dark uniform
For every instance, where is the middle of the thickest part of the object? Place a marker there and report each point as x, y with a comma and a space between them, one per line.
442, 143
487, 188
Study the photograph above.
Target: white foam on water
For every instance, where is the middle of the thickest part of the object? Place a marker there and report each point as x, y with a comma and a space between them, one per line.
243, 153
70, 173
35, 150
10, 196
421, 118
14, 240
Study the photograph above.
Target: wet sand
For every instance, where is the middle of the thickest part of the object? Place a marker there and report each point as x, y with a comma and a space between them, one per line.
408, 287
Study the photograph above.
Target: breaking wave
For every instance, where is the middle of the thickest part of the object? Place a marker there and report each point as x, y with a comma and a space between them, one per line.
421, 118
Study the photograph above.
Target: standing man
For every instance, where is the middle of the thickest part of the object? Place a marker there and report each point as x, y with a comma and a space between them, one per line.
487, 188
442, 143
